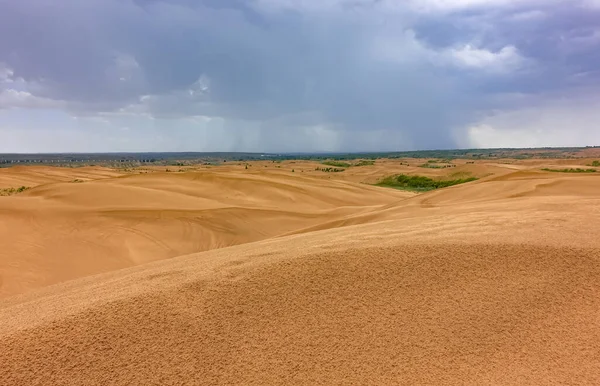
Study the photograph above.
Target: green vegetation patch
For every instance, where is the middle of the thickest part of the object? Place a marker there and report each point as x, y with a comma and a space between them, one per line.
430, 165
595, 163
339, 164
460, 174
570, 170
420, 183
13, 191
439, 161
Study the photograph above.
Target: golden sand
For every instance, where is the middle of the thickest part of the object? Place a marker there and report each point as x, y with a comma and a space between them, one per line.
315, 280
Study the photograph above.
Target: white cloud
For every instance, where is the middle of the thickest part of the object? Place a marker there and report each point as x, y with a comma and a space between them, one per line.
528, 16
200, 87
506, 59
16, 92
406, 48
126, 70
551, 122
6, 74
459, 5
592, 3
11, 98
307, 5
585, 41
486, 136
455, 5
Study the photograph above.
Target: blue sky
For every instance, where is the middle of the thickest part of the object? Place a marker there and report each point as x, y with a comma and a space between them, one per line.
297, 75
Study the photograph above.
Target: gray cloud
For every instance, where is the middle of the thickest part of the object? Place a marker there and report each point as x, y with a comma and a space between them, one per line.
358, 74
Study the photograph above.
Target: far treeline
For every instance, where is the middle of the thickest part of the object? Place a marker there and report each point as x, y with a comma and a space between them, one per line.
189, 158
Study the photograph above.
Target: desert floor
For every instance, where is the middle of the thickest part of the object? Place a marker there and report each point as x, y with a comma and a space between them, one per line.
283, 274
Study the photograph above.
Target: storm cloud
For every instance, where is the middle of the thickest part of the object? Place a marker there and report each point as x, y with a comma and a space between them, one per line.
304, 75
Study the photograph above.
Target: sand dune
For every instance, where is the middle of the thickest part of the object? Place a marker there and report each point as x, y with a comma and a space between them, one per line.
491, 282
61, 231
33, 176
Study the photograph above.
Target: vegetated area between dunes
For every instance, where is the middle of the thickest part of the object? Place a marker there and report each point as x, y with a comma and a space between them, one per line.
421, 183
262, 272
571, 170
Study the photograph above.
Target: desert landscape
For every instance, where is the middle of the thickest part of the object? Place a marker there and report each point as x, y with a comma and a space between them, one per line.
300, 271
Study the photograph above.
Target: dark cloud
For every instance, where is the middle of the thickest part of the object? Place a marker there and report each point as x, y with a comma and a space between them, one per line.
561, 39
402, 74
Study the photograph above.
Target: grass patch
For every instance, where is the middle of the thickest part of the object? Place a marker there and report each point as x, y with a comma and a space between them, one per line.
364, 162
570, 170
13, 191
420, 183
595, 163
439, 161
339, 164
430, 165
460, 174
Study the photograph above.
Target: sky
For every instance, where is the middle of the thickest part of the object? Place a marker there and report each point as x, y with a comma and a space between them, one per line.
297, 75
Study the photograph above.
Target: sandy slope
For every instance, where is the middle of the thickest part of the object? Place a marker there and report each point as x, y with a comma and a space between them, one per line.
37, 175
61, 231
494, 282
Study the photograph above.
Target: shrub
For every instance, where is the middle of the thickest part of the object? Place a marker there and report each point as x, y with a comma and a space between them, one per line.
595, 163
330, 170
12, 191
